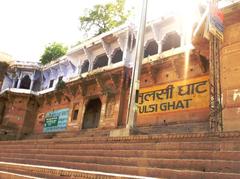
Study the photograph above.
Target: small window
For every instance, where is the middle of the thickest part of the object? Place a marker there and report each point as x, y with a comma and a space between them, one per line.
51, 83
75, 115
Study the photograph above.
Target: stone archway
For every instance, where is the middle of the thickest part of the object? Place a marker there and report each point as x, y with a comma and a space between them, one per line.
171, 40
92, 114
151, 49
85, 66
100, 61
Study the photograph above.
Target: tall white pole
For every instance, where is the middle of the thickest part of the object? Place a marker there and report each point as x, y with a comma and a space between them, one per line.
134, 89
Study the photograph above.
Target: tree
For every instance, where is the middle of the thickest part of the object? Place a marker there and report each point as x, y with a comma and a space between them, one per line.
52, 52
102, 18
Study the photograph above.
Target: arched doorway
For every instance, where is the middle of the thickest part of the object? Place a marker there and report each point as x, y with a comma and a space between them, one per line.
92, 114
25, 83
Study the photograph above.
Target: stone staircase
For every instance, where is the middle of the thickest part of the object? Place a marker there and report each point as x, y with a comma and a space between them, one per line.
189, 155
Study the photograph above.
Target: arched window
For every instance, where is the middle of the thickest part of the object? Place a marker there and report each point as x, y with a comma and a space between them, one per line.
151, 49
100, 61
26, 82
85, 66
117, 56
171, 40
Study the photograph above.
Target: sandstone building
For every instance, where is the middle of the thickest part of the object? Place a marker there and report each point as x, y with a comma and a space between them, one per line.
89, 87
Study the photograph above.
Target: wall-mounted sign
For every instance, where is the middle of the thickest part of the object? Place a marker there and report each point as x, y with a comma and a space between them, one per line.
216, 22
177, 96
56, 120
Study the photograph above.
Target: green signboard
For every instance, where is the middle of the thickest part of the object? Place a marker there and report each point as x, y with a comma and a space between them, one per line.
56, 120
51, 121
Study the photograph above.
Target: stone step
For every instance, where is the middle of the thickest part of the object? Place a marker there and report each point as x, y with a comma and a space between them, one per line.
190, 164
225, 136
12, 175
140, 171
216, 155
15, 172
58, 172
212, 146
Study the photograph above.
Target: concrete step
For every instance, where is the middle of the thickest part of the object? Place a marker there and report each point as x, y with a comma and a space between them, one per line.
139, 171
190, 164
195, 154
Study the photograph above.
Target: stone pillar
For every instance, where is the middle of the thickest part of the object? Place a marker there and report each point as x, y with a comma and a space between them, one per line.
108, 50
90, 58
123, 43
109, 59
19, 82
103, 110
14, 80
81, 111
159, 46
31, 85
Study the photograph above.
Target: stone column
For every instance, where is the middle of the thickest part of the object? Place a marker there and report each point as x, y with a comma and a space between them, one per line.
159, 46
109, 59
103, 111
19, 82
14, 80
31, 85
81, 111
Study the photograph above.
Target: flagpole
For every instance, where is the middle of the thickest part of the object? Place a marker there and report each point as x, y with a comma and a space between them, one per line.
136, 71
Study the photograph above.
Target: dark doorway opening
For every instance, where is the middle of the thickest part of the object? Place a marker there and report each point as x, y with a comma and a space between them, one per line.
25, 83
92, 114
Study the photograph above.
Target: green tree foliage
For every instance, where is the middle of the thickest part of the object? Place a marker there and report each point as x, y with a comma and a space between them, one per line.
52, 52
102, 18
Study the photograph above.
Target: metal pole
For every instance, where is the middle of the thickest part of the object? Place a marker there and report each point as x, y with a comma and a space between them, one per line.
134, 89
